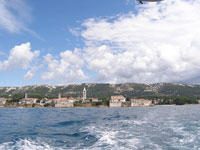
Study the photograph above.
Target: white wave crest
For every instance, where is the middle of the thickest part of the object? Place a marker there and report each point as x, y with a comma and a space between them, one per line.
27, 144
110, 137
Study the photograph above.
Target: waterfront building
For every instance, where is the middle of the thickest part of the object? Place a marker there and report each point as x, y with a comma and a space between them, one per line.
64, 102
2, 101
141, 102
48, 101
71, 99
119, 98
116, 101
86, 101
28, 101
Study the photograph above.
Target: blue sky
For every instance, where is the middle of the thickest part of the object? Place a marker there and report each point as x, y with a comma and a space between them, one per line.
115, 41
51, 21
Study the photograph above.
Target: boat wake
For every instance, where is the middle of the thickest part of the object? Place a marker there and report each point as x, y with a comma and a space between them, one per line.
27, 144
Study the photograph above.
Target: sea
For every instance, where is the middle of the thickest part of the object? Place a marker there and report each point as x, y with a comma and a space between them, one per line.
134, 128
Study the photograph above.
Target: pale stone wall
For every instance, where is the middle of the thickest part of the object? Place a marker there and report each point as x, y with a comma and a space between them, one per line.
115, 104
135, 104
65, 105
95, 100
141, 103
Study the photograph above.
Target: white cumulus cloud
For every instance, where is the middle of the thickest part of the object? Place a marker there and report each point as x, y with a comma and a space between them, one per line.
66, 69
20, 57
158, 44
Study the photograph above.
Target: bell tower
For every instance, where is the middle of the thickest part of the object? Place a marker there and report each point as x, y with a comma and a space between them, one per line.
84, 94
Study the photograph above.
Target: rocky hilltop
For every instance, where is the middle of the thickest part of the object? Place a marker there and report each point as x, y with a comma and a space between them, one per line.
106, 90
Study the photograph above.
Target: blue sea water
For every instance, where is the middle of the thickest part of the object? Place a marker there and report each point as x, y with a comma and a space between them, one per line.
136, 128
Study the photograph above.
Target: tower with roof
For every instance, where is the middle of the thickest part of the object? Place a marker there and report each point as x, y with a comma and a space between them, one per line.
84, 94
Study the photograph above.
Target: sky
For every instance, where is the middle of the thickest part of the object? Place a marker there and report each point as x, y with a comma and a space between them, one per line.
105, 41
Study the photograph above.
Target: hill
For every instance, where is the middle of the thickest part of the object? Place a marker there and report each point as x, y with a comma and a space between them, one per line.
106, 90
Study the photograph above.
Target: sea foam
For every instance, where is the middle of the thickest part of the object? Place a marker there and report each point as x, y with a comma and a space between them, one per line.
27, 144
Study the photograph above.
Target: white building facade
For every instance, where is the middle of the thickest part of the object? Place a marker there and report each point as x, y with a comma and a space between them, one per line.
119, 98
116, 101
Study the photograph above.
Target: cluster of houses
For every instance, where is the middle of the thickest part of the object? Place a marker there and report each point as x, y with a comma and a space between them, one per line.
117, 101
64, 102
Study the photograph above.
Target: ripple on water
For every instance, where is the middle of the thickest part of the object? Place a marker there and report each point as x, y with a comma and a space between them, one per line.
128, 128
69, 123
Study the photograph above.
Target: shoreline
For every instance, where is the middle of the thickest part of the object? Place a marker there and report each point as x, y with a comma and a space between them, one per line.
100, 107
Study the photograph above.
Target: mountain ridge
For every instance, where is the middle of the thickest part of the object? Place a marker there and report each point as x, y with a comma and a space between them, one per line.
105, 90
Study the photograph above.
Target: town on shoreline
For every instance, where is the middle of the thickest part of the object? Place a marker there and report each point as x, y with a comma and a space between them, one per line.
84, 101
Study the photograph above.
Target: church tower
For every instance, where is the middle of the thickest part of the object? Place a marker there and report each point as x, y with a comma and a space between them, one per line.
26, 95
59, 96
84, 94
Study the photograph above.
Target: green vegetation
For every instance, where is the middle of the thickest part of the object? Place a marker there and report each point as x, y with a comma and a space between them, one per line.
4, 96
97, 104
37, 95
49, 105
178, 100
15, 98
105, 90
105, 101
128, 99
165, 93
181, 100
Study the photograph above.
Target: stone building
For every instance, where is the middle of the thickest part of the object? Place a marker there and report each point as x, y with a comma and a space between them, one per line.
28, 101
116, 101
64, 102
118, 98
